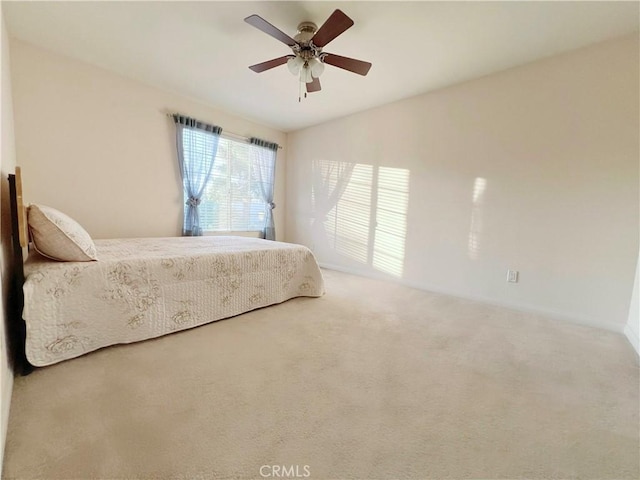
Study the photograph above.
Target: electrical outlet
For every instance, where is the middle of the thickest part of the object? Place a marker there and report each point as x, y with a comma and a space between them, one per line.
512, 276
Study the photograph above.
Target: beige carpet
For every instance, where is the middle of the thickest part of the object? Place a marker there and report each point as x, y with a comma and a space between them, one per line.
373, 380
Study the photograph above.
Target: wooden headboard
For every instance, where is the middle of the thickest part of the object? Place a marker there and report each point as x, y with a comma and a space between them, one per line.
19, 240
23, 232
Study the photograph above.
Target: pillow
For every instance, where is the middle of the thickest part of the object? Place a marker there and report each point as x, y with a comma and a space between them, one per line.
59, 237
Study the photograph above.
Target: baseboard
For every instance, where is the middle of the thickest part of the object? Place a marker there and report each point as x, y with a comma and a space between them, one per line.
7, 390
633, 338
612, 327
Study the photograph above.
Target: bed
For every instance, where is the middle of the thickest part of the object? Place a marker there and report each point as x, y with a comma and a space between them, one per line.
147, 287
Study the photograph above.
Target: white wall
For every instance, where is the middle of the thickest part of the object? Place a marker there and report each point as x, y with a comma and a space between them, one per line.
632, 330
99, 147
555, 144
7, 164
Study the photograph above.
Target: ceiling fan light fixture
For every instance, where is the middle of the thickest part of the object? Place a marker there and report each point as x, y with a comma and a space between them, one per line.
317, 67
305, 74
295, 64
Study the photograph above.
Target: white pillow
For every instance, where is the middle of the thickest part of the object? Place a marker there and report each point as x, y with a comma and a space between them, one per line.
58, 236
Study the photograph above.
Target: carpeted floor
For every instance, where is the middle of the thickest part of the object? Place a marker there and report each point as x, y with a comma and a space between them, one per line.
373, 380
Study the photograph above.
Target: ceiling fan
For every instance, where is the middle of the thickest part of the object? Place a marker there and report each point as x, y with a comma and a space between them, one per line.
308, 59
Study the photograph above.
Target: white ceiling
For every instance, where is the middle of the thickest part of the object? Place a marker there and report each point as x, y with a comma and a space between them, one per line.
203, 49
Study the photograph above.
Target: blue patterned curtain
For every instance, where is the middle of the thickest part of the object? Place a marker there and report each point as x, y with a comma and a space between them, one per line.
263, 166
197, 144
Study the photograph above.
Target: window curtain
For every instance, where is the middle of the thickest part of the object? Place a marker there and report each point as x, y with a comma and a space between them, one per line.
263, 167
330, 180
197, 144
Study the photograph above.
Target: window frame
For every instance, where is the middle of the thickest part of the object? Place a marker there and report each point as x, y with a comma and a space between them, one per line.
205, 200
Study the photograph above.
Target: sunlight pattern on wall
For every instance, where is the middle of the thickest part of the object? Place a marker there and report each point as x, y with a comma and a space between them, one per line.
475, 230
391, 220
348, 224
368, 223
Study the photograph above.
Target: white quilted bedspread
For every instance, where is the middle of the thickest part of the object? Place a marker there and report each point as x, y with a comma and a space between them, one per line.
145, 288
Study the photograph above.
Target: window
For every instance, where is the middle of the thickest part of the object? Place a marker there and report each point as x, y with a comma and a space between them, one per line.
232, 200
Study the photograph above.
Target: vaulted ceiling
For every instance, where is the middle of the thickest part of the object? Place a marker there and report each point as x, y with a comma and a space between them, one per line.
202, 49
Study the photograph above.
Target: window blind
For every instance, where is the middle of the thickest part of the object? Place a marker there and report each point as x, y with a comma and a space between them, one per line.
232, 200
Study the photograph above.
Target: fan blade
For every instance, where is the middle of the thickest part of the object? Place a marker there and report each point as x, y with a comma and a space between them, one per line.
261, 24
346, 63
314, 86
335, 25
261, 67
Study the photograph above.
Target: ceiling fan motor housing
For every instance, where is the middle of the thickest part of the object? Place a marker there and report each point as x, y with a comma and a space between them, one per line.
305, 47
306, 31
